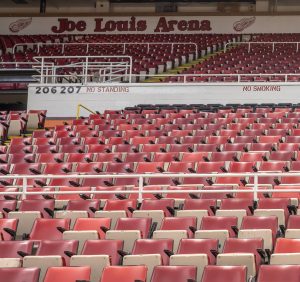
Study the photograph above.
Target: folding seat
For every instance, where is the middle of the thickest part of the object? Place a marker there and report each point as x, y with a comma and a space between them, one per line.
51, 253
56, 168
45, 207
286, 251
252, 132
188, 224
17, 274
20, 148
264, 227
243, 139
120, 205
98, 148
61, 134
292, 139
44, 141
68, 141
106, 157
90, 206
208, 205
135, 141
282, 156
44, 228
294, 196
79, 158
50, 158
281, 208
230, 133
223, 156
20, 158
165, 157
192, 139
242, 252
25, 169
129, 230
118, 168
194, 156
180, 197
181, 148
217, 140
42, 133
236, 147
204, 133
42, 193
93, 140
12, 252
216, 273
276, 132
165, 205
236, 167
269, 139
68, 274
292, 227
124, 273
111, 133
62, 199
148, 148
265, 147
7, 206
206, 148
98, 254
252, 156
89, 135
288, 147
125, 148
87, 228
137, 157
180, 133
88, 168
238, 204
8, 229
107, 196
174, 273
278, 273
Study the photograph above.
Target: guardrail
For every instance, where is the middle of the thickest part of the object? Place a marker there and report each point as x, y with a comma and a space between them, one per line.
186, 78
87, 46
272, 43
141, 177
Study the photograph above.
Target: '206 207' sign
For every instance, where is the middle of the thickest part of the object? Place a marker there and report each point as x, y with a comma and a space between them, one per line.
57, 89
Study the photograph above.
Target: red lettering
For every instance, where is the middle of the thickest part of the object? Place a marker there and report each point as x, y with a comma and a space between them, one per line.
69, 26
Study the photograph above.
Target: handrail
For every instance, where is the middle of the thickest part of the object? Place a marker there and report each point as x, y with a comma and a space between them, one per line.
185, 76
255, 189
79, 106
88, 44
273, 43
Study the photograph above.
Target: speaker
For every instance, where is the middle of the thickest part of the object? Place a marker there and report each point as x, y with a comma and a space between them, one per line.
43, 6
103, 6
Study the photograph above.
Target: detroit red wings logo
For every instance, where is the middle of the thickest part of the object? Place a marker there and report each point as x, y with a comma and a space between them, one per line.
19, 25
243, 24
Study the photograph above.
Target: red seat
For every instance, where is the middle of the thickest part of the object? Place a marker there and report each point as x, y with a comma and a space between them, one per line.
44, 228
88, 224
57, 248
180, 223
142, 224
16, 274
287, 246
279, 273
68, 274
45, 207
84, 205
213, 273
166, 205
200, 204
153, 246
8, 228
7, 205
174, 273
219, 223
199, 246
104, 247
238, 204
10, 249
124, 273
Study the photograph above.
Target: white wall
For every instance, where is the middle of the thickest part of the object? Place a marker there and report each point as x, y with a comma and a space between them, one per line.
60, 103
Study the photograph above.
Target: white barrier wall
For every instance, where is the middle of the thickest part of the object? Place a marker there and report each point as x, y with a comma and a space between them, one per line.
154, 24
61, 100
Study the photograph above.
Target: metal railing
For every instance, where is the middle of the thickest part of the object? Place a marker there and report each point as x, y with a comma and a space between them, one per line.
141, 177
189, 78
88, 66
88, 46
272, 43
